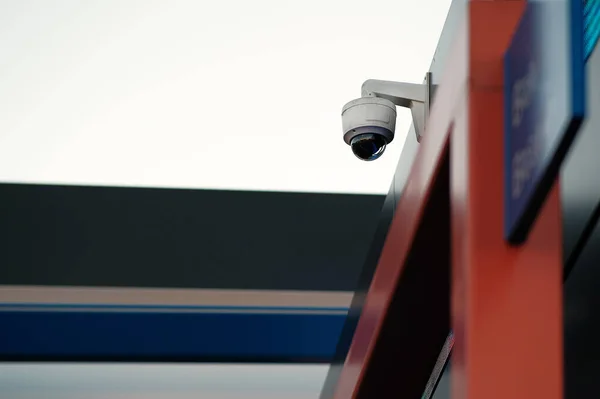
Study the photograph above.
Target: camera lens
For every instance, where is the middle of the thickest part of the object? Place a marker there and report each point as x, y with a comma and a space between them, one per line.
368, 147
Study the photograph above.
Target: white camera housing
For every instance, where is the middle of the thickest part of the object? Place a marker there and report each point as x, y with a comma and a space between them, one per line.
367, 115
369, 122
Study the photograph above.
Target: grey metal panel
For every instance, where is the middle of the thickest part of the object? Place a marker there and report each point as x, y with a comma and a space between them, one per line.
454, 20
407, 157
582, 323
443, 389
580, 190
580, 177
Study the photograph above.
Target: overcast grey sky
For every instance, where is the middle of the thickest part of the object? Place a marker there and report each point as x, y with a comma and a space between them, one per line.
227, 94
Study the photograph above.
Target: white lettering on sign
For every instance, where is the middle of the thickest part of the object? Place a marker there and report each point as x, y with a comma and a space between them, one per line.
525, 159
523, 167
522, 93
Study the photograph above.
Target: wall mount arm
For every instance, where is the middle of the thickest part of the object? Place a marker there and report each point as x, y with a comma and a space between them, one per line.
417, 97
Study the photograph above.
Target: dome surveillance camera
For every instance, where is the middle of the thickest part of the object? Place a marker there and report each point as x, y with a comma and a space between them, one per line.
369, 122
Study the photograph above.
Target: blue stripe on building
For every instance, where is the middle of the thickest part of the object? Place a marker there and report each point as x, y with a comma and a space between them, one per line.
249, 335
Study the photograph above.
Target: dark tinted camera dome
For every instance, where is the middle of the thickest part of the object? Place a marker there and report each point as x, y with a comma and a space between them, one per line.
368, 147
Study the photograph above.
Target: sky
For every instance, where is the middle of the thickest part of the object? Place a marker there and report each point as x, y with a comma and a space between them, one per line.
228, 94
195, 94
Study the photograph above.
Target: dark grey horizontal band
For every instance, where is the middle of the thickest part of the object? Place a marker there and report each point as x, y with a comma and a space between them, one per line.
181, 238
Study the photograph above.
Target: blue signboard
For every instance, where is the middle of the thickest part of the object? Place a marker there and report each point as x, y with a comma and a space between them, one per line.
544, 106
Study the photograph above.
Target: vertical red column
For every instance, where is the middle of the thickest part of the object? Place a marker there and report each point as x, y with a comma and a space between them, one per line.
506, 301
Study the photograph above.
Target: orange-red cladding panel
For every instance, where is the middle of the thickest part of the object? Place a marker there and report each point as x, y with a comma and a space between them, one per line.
507, 302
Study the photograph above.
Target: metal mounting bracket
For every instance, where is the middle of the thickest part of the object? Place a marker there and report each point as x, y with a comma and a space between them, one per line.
417, 97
